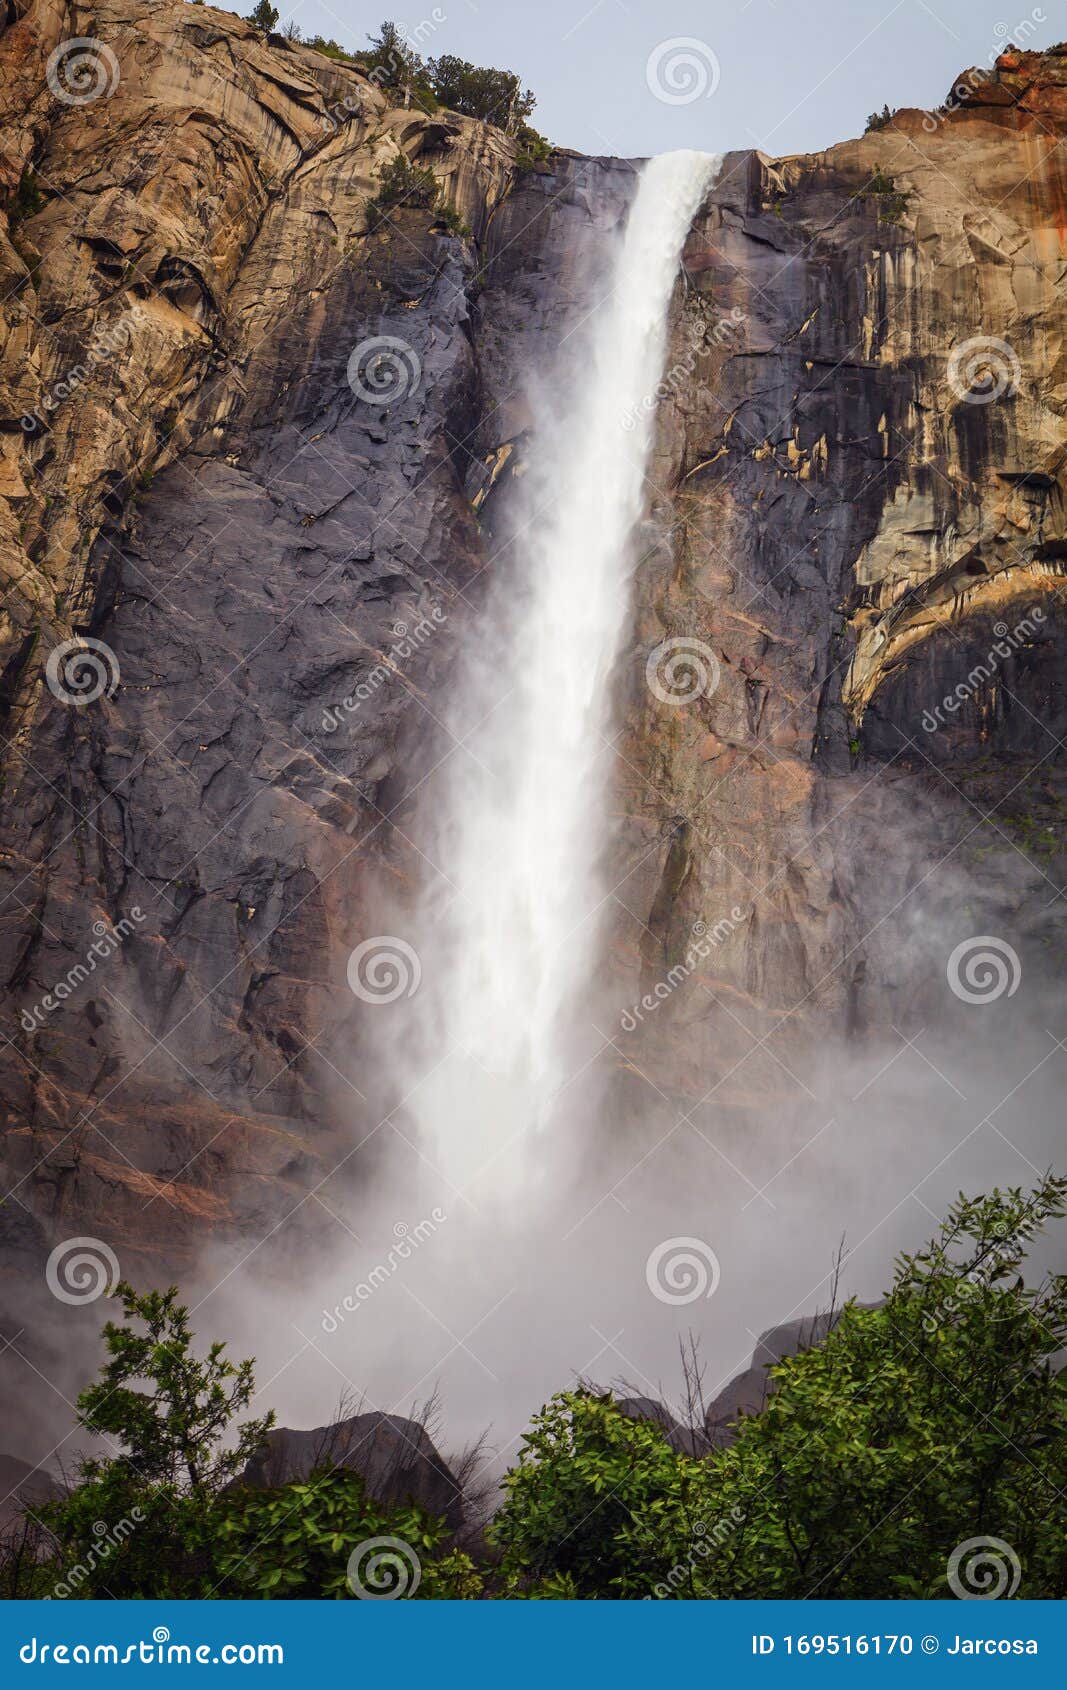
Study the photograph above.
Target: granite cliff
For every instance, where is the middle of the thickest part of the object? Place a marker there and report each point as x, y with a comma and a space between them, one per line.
858, 484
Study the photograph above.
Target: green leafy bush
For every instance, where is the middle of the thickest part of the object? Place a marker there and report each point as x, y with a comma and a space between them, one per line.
919, 1428
533, 148
298, 1541
933, 1420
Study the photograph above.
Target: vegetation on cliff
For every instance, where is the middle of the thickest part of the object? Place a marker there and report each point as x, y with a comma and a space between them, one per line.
919, 1429
391, 61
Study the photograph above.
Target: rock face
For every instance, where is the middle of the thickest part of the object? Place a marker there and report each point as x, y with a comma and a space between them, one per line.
197, 471
22, 1489
748, 1393
395, 1456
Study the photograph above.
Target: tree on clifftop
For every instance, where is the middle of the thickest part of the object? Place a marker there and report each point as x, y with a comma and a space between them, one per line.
495, 96
264, 17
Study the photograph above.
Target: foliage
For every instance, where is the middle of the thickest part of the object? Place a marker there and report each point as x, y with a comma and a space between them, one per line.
533, 148
918, 1426
585, 1474
391, 63
414, 187
931, 1420
27, 200
296, 1540
172, 1461
495, 96
172, 1431
332, 49
265, 16
891, 202
878, 120
164, 1518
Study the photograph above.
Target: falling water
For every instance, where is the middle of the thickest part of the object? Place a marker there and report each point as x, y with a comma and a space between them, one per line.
522, 805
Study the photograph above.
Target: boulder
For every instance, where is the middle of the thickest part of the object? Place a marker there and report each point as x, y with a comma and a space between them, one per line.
395, 1456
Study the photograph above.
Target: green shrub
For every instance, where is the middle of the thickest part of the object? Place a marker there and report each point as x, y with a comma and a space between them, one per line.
533, 149
404, 185
935, 1419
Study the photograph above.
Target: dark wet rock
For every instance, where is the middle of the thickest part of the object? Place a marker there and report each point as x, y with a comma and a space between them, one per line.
395, 1456
23, 1488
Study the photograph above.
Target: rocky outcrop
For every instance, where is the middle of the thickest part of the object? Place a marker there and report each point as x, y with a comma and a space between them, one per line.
198, 473
395, 1457
859, 491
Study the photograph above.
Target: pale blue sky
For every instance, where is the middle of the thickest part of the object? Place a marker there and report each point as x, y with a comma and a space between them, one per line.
793, 75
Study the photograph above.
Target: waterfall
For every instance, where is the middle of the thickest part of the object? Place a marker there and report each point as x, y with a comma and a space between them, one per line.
510, 934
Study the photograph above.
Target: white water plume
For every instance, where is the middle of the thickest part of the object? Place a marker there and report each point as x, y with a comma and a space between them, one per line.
520, 811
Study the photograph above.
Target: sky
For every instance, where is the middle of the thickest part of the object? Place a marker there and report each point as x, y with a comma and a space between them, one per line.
635, 77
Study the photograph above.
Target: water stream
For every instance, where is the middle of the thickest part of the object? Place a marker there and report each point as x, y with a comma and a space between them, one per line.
521, 816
